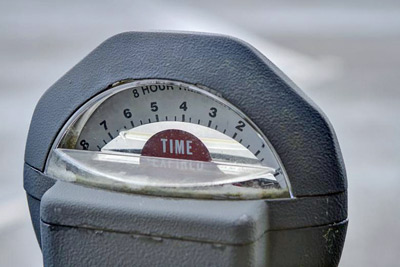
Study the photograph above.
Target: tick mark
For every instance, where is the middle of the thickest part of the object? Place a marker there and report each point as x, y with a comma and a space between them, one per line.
99, 148
224, 130
256, 154
183, 117
141, 122
190, 119
263, 145
104, 141
198, 122
262, 160
248, 146
125, 127
240, 141
277, 172
133, 125
149, 120
216, 127
157, 119
209, 123
166, 118
234, 135
175, 118
109, 134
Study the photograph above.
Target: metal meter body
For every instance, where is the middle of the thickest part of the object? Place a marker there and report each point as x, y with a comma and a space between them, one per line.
183, 149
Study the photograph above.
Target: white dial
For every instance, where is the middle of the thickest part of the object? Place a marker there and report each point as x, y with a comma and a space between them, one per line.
122, 121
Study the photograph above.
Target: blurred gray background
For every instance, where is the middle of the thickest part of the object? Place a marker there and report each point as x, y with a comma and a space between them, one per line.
343, 54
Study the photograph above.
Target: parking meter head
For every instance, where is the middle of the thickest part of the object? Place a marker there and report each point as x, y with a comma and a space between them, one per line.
196, 117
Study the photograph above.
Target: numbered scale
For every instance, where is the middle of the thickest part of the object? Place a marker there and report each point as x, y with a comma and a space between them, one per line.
167, 138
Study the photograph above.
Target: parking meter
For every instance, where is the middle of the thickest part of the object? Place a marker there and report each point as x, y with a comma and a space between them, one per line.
183, 149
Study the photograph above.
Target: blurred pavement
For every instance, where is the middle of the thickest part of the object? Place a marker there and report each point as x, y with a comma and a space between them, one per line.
344, 55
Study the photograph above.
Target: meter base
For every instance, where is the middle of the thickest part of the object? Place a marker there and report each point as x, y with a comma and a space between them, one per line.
83, 226
70, 246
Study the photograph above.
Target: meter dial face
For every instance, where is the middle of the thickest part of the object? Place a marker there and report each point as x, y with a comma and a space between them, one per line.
167, 138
